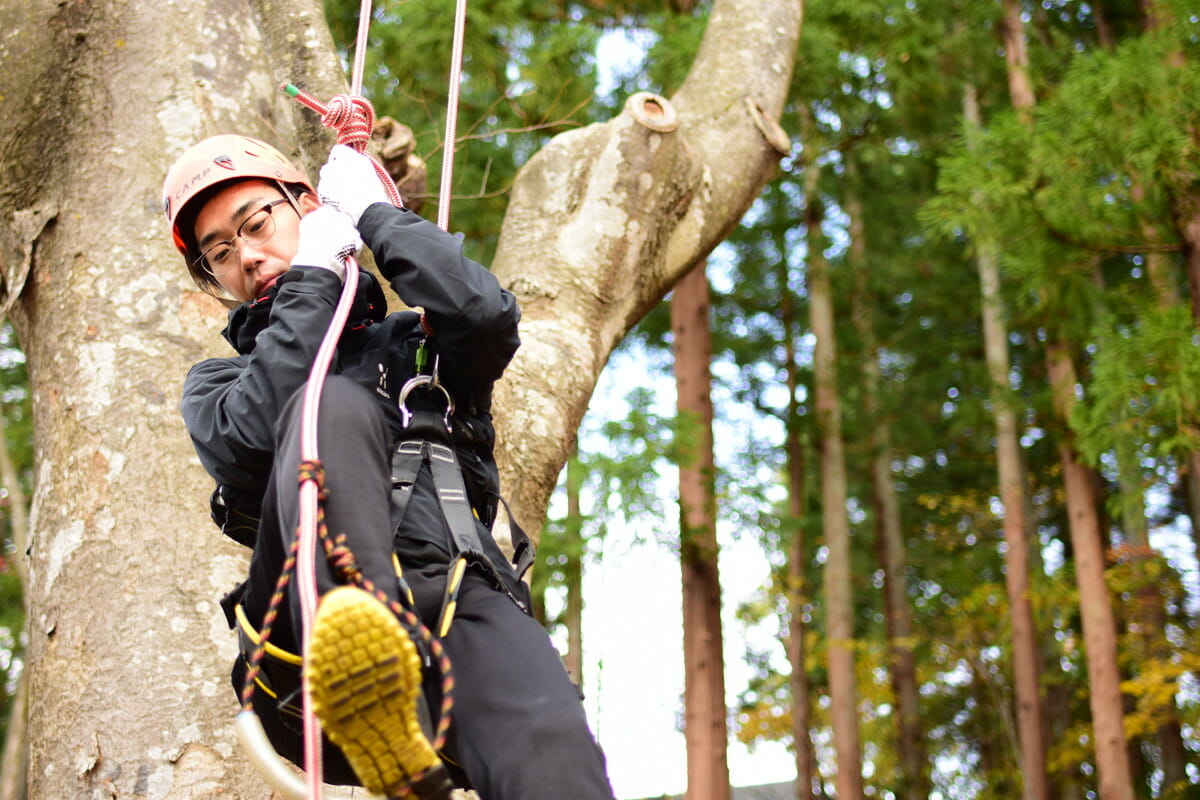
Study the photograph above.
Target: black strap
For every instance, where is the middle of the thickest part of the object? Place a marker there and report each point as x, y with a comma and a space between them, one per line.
523, 549
407, 461
426, 443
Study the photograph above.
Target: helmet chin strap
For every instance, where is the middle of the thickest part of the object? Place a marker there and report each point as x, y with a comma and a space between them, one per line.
291, 198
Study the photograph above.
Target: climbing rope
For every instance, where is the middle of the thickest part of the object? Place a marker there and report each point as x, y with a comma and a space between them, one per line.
353, 117
456, 55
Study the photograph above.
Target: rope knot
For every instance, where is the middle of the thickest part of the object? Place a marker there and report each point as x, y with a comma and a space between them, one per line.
353, 117
341, 559
313, 470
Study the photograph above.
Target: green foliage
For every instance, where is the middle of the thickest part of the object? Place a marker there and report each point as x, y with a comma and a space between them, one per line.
1144, 387
883, 83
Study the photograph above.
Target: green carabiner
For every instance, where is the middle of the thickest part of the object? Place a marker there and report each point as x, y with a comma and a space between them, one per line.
422, 357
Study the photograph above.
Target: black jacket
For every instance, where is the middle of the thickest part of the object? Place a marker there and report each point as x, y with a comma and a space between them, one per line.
230, 405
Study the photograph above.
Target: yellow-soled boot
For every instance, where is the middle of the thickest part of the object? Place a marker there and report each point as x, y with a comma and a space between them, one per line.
364, 674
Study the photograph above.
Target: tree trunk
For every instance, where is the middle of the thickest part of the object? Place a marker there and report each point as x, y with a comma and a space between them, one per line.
1016, 59
839, 601
128, 652
807, 776
889, 534
573, 571
704, 711
1095, 603
1026, 653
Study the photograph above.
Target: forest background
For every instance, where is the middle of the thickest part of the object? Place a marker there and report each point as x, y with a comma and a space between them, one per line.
987, 232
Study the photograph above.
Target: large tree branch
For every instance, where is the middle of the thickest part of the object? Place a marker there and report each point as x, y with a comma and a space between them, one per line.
603, 221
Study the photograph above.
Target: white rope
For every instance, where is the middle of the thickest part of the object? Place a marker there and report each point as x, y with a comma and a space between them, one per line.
456, 57
360, 47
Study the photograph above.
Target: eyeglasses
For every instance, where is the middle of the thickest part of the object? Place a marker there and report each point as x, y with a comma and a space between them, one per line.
220, 259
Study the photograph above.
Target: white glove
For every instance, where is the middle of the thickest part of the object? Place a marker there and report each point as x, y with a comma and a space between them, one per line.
327, 238
350, 182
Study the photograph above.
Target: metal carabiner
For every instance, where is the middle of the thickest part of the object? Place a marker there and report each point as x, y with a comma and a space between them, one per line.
416, 382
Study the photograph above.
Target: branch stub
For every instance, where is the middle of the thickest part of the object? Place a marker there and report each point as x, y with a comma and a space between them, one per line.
775, 135
652, 111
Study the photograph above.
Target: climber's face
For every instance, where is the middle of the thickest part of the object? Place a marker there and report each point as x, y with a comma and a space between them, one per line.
247, 234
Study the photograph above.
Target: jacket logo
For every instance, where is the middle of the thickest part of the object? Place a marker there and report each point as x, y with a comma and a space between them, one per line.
381, 387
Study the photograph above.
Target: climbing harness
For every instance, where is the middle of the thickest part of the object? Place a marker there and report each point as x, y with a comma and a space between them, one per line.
425, 443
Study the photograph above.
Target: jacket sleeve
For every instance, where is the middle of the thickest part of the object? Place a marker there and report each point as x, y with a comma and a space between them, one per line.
231, 405
473, 318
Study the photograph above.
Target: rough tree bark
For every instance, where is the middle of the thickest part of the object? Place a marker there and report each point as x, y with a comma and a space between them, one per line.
128, 651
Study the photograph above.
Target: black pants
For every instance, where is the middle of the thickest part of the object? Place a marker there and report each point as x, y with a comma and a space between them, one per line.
519, 731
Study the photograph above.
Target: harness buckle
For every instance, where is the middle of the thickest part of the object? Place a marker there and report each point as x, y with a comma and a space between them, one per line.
430, 382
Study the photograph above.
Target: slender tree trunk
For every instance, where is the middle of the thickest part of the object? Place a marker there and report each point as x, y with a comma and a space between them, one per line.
1026, 654
839, 602
573, 570
1095, 602
1016, 59
704, 711
807, 776
889, 533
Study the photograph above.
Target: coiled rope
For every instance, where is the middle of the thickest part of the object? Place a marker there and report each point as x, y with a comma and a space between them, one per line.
353, 117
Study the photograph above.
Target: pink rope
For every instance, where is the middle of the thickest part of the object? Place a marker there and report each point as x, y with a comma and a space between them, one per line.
353, 117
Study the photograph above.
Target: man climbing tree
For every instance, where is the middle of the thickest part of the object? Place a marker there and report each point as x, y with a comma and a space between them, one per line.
125, 647
249, 225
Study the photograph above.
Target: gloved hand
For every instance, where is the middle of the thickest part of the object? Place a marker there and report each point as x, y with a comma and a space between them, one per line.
327, 236
350, 182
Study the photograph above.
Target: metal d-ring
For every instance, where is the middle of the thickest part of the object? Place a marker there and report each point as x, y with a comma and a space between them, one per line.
416, 382
278, 773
